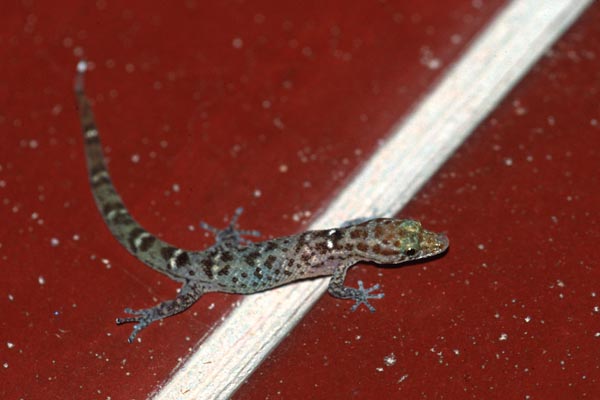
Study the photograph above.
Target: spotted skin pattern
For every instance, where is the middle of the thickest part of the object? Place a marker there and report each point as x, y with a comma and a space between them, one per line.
235, 265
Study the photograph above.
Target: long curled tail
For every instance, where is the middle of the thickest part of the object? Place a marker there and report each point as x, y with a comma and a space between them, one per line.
142, 244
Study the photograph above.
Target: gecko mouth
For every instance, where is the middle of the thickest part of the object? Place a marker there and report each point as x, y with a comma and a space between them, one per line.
434, 243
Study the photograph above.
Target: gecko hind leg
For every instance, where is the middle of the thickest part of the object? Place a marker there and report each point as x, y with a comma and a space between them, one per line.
230, 236
188, 295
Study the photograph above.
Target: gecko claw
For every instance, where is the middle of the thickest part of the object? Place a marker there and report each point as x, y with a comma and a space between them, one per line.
231, 236
142, 317
362, 295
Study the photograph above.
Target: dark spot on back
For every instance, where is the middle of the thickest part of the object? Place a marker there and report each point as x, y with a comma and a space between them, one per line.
271, 245
270, 261
252, 257
182, 259
207, 267
358, 233
224, 270
226, 256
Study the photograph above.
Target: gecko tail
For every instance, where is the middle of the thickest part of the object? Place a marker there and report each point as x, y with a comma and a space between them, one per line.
79, 84
137, 240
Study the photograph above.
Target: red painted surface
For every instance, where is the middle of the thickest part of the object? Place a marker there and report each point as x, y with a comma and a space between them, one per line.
273, 106
513, 310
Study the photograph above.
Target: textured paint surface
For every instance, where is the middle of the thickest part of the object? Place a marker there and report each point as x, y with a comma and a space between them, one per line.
513, 310
262, 105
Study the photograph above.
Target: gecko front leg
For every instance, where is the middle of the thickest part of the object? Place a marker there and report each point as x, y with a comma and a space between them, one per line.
360, 295
188, 295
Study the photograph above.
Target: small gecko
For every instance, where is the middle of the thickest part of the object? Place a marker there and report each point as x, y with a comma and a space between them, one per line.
234, 264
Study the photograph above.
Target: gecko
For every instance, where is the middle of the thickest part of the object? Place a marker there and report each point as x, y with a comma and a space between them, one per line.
237, 265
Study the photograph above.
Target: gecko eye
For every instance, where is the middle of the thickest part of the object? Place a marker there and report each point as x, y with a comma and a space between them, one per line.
410, 252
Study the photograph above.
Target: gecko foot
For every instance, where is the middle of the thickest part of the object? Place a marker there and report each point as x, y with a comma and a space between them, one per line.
362, 295
230, 236
142, 317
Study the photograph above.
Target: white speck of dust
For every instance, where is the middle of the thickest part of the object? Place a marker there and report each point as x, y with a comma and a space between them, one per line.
379, 369
237, 43
10, 345
67, 42
54, 242
594, 122
428, 60
41, 280
519, 109
5, 365
106, 262
129, 68
211, 306
307, 51
456, 39
176, 188
503, 337
597, 334
481, 246
81, 66
278, 123
75, 237
257, 193
33, 144
135, 158
456, 351
402, 378
527, 318
57, 109
390, 359
508, 161
283, 168
560, 283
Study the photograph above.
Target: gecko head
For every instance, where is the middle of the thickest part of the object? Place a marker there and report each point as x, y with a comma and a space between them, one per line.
392, 241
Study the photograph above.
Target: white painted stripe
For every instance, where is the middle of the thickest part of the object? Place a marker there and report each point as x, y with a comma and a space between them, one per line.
492, 65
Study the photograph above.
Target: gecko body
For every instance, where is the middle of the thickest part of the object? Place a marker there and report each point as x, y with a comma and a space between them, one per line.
235, 265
